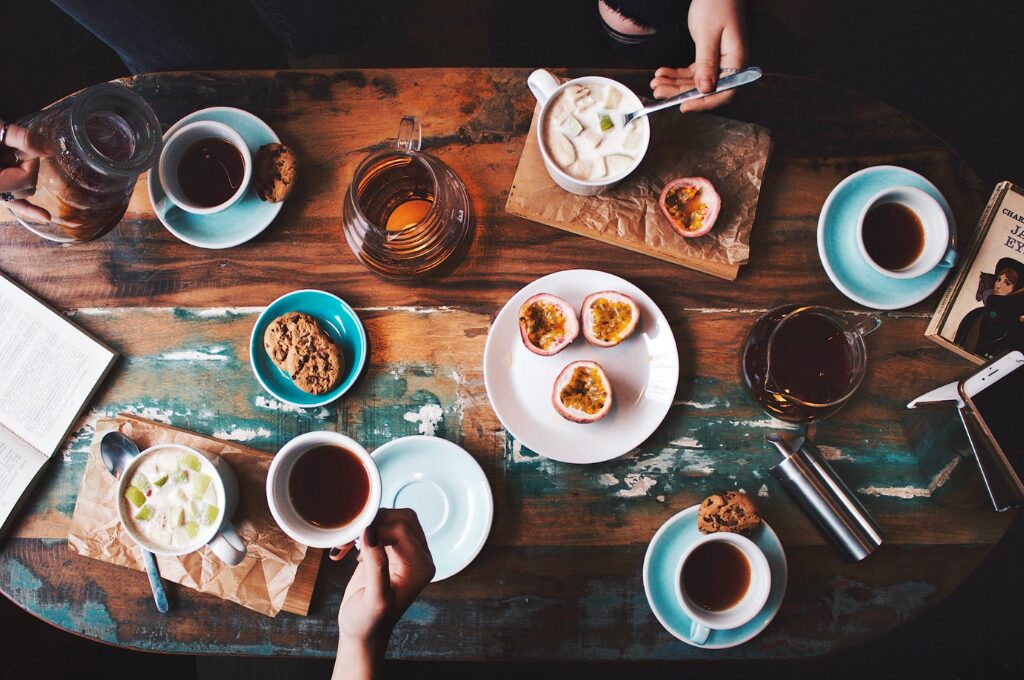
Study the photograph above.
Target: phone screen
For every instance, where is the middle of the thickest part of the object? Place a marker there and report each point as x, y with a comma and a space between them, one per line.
999, 406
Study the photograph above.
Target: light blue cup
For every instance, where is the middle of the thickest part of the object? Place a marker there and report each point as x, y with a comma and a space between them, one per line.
341, 324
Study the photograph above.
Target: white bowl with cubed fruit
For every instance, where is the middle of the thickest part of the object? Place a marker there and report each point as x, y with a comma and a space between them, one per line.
585, 144
172, 500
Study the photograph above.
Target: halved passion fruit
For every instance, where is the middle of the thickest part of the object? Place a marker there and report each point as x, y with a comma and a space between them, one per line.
583, 393
691, 205
608, 318
547, 324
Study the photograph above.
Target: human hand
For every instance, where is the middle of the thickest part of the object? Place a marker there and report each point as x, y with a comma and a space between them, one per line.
719, 36
19, 166
394, 567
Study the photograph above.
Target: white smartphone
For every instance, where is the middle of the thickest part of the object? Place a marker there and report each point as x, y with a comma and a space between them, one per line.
995, 395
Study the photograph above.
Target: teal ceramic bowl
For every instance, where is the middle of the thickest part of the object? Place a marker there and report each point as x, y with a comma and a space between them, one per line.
337, 319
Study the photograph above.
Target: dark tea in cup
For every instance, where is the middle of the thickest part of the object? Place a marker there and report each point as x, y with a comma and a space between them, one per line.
210, 171
329, 486
716, 576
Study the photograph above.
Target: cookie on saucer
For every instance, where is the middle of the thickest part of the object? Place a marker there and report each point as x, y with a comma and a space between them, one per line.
730, 511
275, 169
299, 347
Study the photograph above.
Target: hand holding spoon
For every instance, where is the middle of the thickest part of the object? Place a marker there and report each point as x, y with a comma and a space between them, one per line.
744, 77
117, 452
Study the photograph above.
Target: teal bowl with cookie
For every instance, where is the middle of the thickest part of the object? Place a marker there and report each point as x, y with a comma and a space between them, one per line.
295, 362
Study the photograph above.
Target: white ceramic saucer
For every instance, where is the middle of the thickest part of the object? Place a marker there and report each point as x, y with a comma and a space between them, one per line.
643, 370
448, 491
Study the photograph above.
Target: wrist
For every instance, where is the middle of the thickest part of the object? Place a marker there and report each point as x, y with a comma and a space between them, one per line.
359, 659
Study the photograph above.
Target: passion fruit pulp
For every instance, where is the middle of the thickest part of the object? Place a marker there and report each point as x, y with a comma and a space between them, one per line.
547, 324
583, 393
609, 317
691, 205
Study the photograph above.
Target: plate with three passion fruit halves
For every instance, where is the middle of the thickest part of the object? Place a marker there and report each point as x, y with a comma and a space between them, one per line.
581, 366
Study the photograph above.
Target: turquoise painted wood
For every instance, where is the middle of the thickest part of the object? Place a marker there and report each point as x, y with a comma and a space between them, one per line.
560, 577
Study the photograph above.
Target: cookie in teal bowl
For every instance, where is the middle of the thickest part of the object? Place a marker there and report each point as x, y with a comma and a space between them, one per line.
337, 319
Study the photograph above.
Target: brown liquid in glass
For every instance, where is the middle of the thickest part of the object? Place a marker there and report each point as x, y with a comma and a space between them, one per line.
716, 576
893, 236
811, 360
328, 486
210, 171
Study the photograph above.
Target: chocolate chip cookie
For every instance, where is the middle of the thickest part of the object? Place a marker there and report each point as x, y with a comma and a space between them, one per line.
731, 511
299, 347
275, 169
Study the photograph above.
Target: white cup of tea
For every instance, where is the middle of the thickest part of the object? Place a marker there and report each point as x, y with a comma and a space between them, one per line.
199, 169
323, 489
722, 582
547, 90
903, 233
219, 534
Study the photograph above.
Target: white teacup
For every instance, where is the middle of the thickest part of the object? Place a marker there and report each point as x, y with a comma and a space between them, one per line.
279, 498
545, 88
220, 535
937, 250
178, 143
749, 604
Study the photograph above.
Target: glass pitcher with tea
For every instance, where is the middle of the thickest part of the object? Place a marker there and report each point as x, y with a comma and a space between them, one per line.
105, 136
802, 363
406, 212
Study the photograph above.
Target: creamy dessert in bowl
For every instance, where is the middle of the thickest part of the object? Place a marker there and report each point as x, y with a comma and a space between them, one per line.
172, 500
583, 139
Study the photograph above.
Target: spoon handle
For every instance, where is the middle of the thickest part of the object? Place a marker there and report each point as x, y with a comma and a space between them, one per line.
744, 77
159, 596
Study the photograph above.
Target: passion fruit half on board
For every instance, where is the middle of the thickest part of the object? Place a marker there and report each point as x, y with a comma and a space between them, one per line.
547, 324
583, 393
608, 318
691, 205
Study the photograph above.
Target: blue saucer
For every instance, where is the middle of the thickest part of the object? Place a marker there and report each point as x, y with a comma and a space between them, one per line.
448, 491
837, 240
663, 555
337, 319
234, 225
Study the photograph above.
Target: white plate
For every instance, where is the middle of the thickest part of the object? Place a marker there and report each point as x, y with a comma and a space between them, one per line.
643, 370
448, 491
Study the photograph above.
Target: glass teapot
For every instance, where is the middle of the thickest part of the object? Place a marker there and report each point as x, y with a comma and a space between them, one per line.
105, 136
803, 363
406, 212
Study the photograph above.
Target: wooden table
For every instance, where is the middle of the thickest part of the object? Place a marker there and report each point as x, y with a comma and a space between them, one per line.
561, 574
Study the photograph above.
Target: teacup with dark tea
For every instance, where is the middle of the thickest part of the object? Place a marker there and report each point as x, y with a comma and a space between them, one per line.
205, 167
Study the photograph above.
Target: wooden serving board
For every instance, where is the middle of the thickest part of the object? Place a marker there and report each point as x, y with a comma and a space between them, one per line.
731, 154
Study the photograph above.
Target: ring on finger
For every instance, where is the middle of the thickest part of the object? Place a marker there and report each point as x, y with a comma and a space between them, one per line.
727, 70
6, 196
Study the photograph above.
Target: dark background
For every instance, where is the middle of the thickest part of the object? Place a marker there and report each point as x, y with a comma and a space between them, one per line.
954, 66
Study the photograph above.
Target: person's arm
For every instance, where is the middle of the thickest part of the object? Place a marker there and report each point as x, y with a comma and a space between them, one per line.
719, 36
19, 166
394, 567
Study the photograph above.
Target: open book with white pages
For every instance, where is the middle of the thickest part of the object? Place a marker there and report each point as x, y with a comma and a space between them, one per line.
51, 368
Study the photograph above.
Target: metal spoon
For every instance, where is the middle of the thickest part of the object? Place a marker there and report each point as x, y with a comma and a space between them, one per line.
744, 77
117, 452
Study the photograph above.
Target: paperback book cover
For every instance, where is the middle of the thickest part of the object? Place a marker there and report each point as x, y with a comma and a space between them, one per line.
981, 314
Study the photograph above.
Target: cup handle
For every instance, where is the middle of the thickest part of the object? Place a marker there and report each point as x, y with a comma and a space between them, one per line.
699, 633
164, 206
542, 84
228, 546
410, 134
949, 259
868, 326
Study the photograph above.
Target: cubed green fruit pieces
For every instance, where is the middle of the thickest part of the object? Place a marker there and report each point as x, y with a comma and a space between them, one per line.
176, 517
190, 461
140, 482
200, 483
160, 481
192, 529
606, 122
572, 126
144, 514
210, 513
135, 496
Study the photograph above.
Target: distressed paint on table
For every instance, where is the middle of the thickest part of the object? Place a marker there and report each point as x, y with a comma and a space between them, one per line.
567, 544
